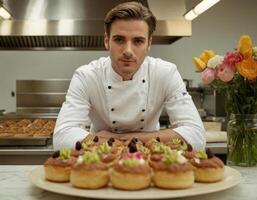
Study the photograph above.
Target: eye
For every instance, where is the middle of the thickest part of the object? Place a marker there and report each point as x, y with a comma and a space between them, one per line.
139, 41
118, 40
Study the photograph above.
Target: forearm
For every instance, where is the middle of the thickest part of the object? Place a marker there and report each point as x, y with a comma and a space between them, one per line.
165, 135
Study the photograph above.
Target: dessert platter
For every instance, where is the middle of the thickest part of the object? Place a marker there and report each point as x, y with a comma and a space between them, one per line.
111, 169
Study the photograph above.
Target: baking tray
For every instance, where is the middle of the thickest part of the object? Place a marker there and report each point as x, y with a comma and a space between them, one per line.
26, 140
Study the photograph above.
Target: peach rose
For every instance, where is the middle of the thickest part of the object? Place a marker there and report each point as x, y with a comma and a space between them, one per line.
208, 75
247, 68
225, 73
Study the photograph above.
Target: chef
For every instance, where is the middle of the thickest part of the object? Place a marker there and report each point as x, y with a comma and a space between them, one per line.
124, 94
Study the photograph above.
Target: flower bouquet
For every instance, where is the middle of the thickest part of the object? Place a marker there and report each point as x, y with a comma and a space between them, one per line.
234, 75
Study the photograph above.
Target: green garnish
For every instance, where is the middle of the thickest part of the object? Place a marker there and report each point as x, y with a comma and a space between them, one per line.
143, 149
85, 145
103, 148
201, 155
65, 154
175, 141
89, 158
161, 149
170, 158
130, 162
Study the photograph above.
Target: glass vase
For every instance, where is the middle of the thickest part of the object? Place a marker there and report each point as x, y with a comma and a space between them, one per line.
242, 140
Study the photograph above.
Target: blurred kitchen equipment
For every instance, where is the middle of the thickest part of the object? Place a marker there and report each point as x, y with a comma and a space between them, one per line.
2, 111
214, 103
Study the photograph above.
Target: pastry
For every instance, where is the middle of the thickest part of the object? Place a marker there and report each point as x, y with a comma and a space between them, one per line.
57, 168
108, 153
132, 172
89, 172
173, 171
207, 167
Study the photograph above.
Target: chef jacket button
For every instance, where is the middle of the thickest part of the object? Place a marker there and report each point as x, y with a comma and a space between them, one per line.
113, 122
109, 87
143, 80
112, 109
141, 128
142, 120
143, 110
115, 129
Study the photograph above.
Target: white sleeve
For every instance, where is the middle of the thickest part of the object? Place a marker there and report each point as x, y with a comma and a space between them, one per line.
73, 116
182, 112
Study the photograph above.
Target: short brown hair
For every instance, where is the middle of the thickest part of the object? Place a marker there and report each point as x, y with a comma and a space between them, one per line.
128, 11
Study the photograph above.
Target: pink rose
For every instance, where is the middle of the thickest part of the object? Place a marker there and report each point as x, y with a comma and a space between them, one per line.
231, 58
225, 73
208, 75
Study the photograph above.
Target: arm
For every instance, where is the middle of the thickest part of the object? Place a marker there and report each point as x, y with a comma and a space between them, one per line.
165, 135
73, 115
182, 112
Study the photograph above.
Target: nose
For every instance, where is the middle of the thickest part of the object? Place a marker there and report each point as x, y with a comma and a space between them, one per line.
128, 52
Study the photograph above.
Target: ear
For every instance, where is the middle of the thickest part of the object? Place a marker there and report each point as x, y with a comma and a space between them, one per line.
149, 43
106, 41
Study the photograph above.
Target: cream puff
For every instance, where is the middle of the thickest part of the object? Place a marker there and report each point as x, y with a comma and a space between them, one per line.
132, 172
173, 171
89, 172
108, 153
177, 144
57, 168
133, 146
207, 167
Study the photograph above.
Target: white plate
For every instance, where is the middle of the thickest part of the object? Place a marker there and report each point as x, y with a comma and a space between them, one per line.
232, 178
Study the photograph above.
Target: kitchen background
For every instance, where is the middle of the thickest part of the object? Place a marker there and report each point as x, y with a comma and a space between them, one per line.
219, 28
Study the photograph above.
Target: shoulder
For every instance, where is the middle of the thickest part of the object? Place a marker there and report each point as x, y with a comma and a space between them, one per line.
160, 68
94, 68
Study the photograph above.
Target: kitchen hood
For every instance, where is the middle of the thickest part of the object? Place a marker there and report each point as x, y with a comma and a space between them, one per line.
79, 24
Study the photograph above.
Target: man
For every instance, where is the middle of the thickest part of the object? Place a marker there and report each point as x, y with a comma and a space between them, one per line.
123, 95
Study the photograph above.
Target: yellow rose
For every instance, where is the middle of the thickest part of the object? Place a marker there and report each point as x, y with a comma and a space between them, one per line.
199, 64
245, 46
247, 68
206, 55
201, 61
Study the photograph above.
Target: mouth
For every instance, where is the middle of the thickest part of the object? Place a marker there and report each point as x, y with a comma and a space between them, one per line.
127, 61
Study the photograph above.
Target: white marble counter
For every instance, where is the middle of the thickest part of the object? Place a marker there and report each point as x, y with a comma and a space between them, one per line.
14, 184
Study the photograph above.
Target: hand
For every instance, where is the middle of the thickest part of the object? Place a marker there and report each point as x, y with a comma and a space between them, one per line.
105, 134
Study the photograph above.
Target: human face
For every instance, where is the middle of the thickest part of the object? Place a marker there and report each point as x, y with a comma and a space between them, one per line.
128, 44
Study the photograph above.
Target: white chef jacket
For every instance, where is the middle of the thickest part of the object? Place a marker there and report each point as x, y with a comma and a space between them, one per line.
98, 94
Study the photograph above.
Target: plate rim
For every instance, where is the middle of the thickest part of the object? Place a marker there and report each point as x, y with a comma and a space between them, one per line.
36, 177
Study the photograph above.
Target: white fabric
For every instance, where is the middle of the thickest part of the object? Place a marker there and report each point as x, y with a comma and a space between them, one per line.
157, 84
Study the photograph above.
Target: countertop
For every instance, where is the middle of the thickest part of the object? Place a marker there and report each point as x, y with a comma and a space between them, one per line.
14, 184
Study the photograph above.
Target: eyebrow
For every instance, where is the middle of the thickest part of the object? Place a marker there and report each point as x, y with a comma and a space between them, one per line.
137, 38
